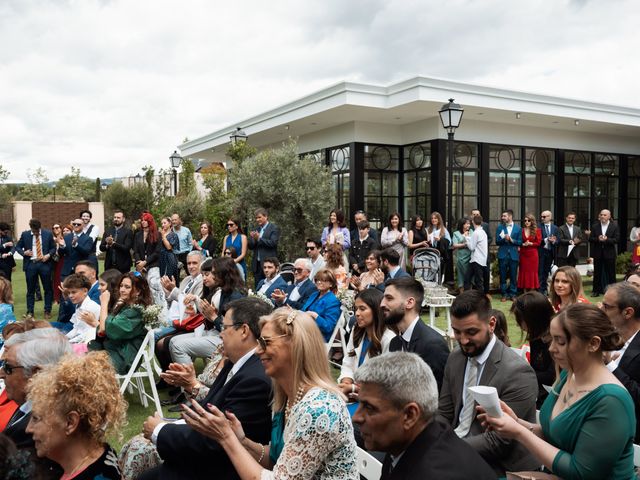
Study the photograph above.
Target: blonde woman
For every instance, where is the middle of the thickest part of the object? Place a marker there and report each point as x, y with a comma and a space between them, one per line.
312, 435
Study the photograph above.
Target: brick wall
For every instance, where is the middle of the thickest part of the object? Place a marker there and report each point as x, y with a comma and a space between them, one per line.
57, 212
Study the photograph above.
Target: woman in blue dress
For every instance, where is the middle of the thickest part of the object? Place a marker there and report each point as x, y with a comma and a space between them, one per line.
238, 240
169, 242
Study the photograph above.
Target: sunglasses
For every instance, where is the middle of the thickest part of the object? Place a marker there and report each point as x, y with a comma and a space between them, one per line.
8, 369
264, 342
76, 224
310, 248
227, 253
231, 225
298, 270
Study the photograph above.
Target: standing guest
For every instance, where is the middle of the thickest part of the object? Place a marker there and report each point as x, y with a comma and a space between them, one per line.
7, 262
360, 248
336, 232
313, 249
184, 242
395, 236
634, 236
485, 227
401, 311
570, 237
482, 359
439, 239
528, 270
533, 314
117, 244
604, 238
272, 279
296, 295
587, 423
508, 239
372, 276
547, 250
459, 244
370, 337
478, 245
92, 231
58, 261
312, 435
621, 303
146, 255
417, 235
238, 240
73, 411
263, 241
566, 288
77, 246
169, 244
334, 261
323, 306
361, 216
207, 244
6, 306
37, 247
122, 331
397, 416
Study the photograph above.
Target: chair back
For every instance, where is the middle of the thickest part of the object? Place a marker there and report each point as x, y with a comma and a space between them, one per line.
369, 467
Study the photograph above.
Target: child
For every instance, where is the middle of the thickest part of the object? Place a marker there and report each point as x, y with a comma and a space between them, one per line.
77, 288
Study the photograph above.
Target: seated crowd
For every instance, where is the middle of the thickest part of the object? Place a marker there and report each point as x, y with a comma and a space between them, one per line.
267, 404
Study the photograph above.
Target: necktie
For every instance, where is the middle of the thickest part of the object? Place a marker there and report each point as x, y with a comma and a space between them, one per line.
468, 410
387, 466
405, 344
38, 246
229, 376
189, 285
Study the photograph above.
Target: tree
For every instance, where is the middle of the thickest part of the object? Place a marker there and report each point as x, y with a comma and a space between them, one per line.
5, 195
131, 200
37, 188
218, 202
74, 186
190, 207
239, 151
186, 179
298, 192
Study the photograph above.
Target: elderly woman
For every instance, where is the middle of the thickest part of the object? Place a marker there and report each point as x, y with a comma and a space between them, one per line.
73, 411
587, 422
312, 435
566, 288
323, 306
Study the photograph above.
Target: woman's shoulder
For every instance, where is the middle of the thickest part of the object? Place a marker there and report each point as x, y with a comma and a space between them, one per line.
318, 397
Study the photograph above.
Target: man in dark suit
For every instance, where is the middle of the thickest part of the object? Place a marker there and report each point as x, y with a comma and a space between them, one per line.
263, 241
547, 248
38, 347
570, 239
604, 237
361, 246
117, 243
390, 268
361, 216
241, 387
36, 247
272, 280
296, 295
401, 309
396, 415
7, 261
508, 239
621, 303
482, 359
77, 246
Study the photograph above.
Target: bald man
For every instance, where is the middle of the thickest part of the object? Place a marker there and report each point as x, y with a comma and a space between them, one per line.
547, 249
604, 237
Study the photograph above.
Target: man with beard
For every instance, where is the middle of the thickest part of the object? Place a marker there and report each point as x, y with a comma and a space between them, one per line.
117, 244
401, 311
482, 359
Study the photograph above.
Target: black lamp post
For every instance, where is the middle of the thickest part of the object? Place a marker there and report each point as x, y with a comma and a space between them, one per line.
238, 136
176, 160
450, 115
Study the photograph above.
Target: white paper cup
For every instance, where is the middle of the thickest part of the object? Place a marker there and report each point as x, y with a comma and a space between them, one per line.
488, 399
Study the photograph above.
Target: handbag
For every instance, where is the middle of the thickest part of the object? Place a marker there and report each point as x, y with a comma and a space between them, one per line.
190, 323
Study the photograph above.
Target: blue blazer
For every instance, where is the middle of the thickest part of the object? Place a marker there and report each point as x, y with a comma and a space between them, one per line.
26, 243
307, 288
94, 293
509, 250
267, 246
328, 309
555, 231
73, 255
280, 283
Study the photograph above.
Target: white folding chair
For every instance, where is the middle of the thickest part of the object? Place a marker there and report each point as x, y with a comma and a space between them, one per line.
334, 341
636, 455
368, 466
142, 368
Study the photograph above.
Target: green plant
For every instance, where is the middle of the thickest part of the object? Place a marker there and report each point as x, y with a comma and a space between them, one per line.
623, 262
131, 200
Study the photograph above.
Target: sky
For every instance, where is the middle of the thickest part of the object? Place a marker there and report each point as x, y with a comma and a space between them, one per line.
112, 86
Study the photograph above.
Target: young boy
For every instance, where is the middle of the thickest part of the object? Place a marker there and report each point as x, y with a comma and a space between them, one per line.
77, 288
361, 247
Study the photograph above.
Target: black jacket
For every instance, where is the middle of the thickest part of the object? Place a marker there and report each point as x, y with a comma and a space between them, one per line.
628, 372
118, 255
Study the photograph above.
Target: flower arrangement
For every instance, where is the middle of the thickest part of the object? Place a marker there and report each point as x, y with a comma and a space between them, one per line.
261, 296
150, 315
347, 299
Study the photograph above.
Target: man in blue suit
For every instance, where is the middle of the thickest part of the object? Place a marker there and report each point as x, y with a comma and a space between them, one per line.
272, 279
547, 248
508, 239
37, 247
77, 246
264, 243
296, 295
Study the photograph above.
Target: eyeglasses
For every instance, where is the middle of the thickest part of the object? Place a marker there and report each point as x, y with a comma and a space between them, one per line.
8, 369
225, 326
231, 225
264, 342
76, 224
310, 248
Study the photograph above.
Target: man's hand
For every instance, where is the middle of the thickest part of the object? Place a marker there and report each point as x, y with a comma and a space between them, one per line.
168, 283
28, 253
278, 295
150, 425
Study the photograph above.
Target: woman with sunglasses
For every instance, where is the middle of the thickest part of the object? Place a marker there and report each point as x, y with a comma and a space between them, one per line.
528, 270
312, 435
238, 240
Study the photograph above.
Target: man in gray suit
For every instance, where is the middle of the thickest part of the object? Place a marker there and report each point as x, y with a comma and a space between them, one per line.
482, 359
570, 238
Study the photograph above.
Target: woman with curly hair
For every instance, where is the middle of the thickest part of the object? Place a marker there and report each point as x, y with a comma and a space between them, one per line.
122, 331
74, 410
334, 261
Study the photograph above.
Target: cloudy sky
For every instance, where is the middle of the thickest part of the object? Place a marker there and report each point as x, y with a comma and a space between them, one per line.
111, 86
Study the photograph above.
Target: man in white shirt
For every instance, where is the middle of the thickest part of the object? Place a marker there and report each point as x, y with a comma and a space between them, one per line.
313, 252
296, 295
478, 244
570, 239
272, 280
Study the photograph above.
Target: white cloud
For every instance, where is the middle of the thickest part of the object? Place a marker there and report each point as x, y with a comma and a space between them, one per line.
109, 86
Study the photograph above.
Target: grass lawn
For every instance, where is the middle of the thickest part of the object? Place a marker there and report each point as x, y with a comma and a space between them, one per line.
137, 413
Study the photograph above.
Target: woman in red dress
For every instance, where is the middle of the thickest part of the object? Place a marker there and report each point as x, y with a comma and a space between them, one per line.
528, 271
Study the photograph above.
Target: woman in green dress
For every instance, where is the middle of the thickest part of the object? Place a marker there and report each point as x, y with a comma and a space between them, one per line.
587, 423
459, 245
121, 331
